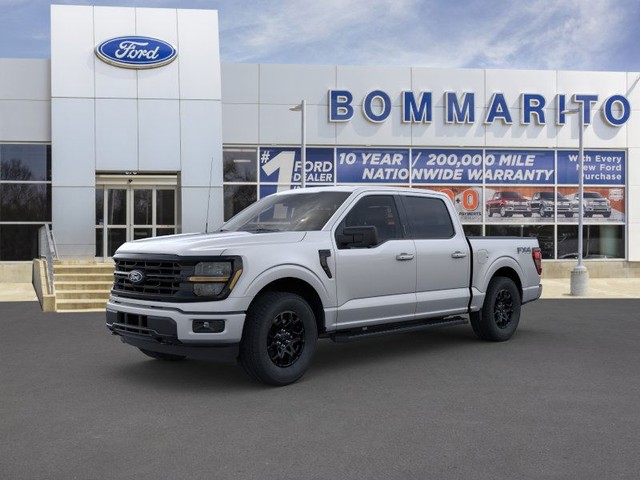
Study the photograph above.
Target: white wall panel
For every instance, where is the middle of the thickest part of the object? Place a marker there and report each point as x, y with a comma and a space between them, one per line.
73, 217
603, 84
199, 54
439, 133
73, 144
25, 79
360, 131
72, 56
597, 135
278, 124
441, 80
512, 83
362, 80
633, 89
319, 130
634, 242
194, 208
114, 82
116, 134
290, 84
162, 82
500, 135
240, 83
159, 135
633, 167
239, 123
25, 121
201, 142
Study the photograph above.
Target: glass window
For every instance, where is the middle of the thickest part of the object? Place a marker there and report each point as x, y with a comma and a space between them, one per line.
599, 241
544, 234
25, 202
117, 206
472, 230
99, 242
18, 242
30, 163
166, 207
237, 198
378, 211
100, 207
142, 206
239, 164
428, 217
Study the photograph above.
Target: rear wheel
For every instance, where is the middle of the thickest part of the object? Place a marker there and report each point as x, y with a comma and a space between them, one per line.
498, 319
162, 356
279, 338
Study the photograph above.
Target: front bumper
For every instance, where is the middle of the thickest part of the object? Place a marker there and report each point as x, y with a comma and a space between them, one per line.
167, 328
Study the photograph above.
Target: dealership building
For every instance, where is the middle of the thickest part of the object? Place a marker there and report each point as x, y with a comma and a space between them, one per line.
134, 129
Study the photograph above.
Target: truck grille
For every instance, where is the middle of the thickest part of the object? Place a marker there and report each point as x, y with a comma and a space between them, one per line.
160, 277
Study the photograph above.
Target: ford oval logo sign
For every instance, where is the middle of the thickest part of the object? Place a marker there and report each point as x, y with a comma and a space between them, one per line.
136, 277
136, 52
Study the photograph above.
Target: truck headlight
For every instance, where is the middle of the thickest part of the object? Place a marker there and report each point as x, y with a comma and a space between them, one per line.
211, 278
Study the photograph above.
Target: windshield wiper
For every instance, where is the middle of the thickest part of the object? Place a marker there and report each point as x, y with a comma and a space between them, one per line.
262, 230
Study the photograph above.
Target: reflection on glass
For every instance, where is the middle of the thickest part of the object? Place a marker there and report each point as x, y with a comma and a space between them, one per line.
165, 207
115, 238
472, 230
140, 233
25, 162
25, 202
100, 206
599, 241
544, 234
142, 207
237, 198
99, 242
165, 231
117, 206
239, 164
18, 242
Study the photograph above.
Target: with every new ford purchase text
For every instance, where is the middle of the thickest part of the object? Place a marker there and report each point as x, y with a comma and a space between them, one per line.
345, 263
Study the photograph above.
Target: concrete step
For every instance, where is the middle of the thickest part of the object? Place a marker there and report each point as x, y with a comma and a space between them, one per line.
82, 277
93, 285
74, 304
82, 294
100, 268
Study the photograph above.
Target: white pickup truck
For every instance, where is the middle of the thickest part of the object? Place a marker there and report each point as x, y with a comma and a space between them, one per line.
340, 262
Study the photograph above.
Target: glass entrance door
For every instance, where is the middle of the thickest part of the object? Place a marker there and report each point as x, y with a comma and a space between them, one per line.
132, 212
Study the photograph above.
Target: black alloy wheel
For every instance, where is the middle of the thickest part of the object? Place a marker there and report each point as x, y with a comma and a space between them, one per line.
499, 316
503, 309
285, 340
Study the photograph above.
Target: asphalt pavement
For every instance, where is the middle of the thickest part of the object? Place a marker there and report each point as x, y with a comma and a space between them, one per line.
561, 400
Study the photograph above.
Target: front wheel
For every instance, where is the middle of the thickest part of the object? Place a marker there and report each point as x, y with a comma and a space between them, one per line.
498, 319
279, 338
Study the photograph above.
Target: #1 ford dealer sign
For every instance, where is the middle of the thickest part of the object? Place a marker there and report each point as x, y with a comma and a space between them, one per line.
136, 52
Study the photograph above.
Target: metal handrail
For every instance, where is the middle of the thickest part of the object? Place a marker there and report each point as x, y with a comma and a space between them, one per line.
48, 250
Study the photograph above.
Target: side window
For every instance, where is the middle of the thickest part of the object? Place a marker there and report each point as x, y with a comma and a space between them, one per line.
428, 218
378, 211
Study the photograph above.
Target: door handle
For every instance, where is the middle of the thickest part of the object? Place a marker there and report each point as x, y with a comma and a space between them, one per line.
404, 257
458, 254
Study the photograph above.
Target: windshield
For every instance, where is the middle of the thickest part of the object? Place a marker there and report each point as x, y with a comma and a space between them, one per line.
286, 213
511, 195
547, 195
592, 195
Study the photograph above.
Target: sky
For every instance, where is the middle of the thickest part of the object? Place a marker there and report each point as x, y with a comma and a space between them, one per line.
531, 34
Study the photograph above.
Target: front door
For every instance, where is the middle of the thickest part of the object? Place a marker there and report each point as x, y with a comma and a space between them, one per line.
132, 211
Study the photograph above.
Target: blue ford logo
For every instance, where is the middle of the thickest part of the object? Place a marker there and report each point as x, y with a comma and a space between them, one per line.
136, 52
136, 277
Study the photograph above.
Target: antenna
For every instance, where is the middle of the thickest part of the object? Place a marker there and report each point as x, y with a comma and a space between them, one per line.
206, 222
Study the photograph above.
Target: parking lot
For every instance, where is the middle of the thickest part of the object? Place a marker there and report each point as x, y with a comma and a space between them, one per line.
558, 401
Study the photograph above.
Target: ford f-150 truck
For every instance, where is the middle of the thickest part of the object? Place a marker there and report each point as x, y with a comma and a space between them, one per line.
508, 203
345, 263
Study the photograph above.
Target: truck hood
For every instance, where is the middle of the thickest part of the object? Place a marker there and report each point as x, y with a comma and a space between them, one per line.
196, 244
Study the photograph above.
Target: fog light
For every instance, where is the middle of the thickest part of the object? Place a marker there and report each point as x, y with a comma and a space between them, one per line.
208, 326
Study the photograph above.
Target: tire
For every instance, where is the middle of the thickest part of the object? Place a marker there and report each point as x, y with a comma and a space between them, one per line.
279, 338
606, 215
489, 212
498, 319
588, 215
527, 214
568, 215
162, 356
542, 212
503, 212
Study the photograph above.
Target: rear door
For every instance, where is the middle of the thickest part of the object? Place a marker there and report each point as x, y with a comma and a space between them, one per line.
376, 284
442, 255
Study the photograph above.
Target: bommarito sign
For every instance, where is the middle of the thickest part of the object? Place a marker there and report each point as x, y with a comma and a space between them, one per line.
459, 108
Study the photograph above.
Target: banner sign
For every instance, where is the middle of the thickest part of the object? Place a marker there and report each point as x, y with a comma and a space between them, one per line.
601, 167
283, 166
519, 167
430, 166
367, 165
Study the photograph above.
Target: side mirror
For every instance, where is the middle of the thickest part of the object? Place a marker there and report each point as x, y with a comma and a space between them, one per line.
358, 237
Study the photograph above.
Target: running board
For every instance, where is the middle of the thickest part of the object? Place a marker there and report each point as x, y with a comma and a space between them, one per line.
390, 329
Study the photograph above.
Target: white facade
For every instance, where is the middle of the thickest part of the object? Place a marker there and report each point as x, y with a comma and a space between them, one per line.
172, 123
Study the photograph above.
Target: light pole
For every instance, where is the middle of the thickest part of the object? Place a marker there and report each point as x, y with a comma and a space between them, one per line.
580, 274
302, 107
